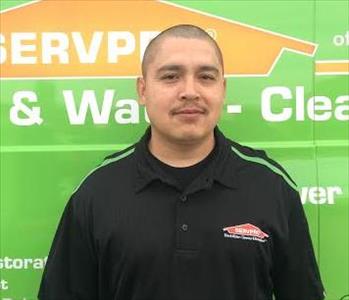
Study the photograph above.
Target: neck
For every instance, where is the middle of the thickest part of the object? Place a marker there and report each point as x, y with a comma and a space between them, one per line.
180, 154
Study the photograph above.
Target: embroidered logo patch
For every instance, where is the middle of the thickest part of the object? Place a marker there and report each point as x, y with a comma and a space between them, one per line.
245, 232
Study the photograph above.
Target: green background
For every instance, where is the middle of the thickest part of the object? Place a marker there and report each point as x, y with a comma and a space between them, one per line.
41, 165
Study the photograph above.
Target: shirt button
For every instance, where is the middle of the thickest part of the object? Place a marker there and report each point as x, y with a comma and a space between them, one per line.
184, 227
183, 198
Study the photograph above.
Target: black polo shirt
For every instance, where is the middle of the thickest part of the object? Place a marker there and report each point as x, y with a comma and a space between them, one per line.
237, 232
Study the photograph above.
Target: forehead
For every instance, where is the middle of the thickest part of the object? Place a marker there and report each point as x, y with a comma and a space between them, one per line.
185, 52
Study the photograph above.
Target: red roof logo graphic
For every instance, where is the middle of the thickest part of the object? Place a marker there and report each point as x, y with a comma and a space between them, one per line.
246, 230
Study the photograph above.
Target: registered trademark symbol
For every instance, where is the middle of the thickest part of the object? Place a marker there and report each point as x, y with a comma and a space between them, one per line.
212, 32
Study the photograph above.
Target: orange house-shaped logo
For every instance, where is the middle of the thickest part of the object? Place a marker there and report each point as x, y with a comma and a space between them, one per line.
107, 39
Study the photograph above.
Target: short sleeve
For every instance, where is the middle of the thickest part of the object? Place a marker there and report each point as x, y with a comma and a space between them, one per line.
71, 269
295, 274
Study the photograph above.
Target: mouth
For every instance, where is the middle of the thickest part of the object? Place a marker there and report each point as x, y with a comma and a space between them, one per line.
189, 115
189, 111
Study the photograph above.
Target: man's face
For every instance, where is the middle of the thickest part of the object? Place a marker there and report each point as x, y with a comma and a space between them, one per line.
183, 90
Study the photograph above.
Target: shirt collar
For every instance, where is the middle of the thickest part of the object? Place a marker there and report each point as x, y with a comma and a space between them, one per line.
220, 168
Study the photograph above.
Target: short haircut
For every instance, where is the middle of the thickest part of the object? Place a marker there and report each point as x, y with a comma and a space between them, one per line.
182, 31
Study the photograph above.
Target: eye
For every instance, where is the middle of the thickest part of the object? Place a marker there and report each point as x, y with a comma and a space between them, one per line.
208, 77
169, 77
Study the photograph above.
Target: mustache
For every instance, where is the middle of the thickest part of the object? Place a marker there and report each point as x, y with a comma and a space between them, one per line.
197, 107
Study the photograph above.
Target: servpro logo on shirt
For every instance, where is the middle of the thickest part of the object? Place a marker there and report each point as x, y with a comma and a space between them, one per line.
245, 232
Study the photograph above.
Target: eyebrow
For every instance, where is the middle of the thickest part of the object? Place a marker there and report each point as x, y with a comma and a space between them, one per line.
209, 68
176, 67
169, 68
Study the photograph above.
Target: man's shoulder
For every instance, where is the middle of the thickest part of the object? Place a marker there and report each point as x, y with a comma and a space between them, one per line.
113, 168
119, 155
258, 161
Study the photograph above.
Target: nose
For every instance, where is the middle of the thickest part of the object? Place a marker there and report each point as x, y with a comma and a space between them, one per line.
189, 89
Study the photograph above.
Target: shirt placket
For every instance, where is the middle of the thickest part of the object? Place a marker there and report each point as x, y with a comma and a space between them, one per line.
185, 239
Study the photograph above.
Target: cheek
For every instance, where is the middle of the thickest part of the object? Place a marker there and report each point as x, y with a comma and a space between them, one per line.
216, 104
160, 100
158, 106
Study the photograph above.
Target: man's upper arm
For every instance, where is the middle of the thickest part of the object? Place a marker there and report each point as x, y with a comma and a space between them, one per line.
71, 269
295, 274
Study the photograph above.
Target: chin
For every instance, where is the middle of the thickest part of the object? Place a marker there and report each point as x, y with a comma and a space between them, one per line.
190, 136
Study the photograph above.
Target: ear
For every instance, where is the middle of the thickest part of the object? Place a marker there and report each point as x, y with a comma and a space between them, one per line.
224, 86
141, 90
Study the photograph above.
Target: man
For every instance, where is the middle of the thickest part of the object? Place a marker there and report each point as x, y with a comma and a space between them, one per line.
184, 214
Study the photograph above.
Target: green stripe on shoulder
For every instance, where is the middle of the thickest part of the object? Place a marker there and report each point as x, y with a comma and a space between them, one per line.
104, 163
263, 162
